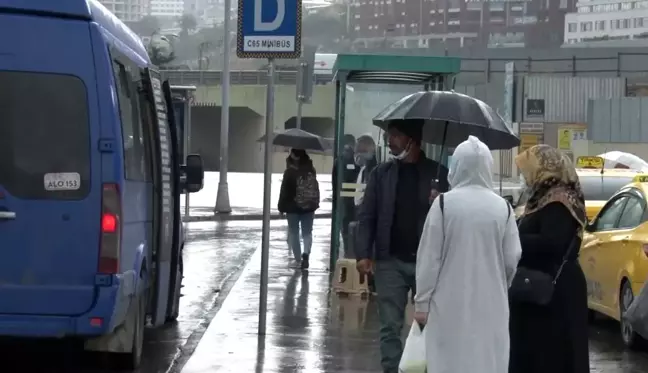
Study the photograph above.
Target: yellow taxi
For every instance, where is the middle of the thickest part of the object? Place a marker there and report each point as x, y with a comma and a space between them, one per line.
614, 254
598, 184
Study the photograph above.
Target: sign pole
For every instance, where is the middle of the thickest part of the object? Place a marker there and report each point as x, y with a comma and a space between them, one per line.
267, 180
277, 35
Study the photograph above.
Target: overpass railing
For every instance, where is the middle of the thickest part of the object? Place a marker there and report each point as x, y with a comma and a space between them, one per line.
253, 77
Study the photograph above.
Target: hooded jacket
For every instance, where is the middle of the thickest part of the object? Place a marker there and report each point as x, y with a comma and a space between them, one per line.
466, 260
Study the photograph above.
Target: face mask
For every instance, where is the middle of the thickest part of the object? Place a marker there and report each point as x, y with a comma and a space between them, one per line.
362, 158
402, 155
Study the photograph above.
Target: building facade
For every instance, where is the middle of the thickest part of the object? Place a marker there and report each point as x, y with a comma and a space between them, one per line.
459, 23
167, 8
602, 20
127, 10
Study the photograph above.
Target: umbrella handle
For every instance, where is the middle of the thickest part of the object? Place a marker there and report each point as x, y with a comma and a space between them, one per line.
443, 140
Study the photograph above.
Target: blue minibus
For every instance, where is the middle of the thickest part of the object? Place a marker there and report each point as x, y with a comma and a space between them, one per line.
91, 235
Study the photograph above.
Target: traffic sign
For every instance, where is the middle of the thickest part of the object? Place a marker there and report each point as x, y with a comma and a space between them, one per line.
269, 29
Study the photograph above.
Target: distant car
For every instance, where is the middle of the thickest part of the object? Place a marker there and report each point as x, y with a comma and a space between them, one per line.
614, 254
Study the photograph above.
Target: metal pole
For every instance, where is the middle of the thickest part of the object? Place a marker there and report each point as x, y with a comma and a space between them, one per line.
267, 174
222, 196
187, 139
501, 171
300, 105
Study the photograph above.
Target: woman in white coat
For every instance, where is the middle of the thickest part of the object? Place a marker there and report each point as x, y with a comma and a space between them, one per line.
466, 260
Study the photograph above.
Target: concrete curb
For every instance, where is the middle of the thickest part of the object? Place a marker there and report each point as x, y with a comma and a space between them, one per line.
241, 217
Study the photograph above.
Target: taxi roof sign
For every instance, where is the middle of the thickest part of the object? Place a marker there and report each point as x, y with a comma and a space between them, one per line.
641, 178
590, 162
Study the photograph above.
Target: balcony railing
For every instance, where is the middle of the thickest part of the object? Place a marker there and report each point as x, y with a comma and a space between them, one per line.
213, 77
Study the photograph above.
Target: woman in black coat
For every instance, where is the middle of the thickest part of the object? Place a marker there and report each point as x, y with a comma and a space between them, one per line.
551, 338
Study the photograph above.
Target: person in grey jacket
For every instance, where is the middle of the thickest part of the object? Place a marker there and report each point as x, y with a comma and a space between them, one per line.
390, 223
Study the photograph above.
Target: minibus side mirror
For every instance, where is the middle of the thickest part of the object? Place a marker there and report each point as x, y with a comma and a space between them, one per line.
193, 174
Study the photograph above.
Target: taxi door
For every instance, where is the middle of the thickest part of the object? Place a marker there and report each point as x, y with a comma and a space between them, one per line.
597, 252
632, 263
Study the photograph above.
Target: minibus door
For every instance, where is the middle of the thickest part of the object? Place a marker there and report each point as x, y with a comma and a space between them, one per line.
165, 198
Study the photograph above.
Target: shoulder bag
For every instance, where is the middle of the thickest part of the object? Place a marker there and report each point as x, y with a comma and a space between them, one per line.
537, 287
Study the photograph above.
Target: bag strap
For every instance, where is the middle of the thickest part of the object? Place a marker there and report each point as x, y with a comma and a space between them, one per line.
565, 259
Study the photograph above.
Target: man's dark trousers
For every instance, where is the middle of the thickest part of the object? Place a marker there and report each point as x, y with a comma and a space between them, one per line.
394, 279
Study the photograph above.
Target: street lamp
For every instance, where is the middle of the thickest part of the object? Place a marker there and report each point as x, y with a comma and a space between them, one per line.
222, 196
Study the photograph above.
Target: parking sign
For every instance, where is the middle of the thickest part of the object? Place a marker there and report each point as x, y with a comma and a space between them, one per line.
269, 29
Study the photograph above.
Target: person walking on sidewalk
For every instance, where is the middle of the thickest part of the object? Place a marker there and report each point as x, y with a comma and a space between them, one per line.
390, 222
466, 260
298, 199
553, 336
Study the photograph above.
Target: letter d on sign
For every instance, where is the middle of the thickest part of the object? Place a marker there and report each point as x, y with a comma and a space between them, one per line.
259, 25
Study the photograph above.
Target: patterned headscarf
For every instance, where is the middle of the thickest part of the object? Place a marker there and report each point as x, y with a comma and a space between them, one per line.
552, 178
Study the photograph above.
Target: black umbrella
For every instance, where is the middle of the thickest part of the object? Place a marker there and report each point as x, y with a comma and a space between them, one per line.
299, 139
450, 118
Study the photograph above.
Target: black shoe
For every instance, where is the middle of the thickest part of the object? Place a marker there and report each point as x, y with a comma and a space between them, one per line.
304, 261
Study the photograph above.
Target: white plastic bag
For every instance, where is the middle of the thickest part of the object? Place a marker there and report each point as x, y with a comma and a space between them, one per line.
413, 359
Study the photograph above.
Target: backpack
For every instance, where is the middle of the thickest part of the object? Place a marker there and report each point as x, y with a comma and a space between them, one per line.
307, 196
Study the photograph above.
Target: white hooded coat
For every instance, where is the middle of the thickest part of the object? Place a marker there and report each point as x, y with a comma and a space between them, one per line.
466, 261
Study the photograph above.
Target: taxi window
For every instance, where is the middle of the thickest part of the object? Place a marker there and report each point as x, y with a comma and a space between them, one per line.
597, 188
633, 213
610, 214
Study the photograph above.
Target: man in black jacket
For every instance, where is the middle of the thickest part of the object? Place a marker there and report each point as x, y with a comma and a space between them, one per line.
391, 219
349, 175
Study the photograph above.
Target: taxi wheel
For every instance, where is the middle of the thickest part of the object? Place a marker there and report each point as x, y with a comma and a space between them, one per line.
630, 338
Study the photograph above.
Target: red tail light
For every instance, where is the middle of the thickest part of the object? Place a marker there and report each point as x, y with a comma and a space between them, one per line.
108, 223
110, 242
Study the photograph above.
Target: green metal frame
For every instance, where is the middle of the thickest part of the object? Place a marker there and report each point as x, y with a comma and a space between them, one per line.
430, 72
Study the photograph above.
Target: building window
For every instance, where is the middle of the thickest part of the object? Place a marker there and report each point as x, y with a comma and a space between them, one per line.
584, 9
615, 24
563, 4
572, 27
599, 25
496, 6
626, 23
586, 26
626, 6
638, 22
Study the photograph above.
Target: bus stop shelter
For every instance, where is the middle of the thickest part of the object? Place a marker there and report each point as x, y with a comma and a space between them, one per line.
426, 72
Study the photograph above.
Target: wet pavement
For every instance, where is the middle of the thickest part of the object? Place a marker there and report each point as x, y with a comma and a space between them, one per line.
306, 330
310, 330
